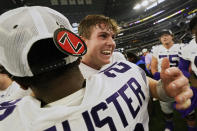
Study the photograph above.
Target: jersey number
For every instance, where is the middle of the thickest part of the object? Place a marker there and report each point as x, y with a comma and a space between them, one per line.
118, 68
174, 59
8, 108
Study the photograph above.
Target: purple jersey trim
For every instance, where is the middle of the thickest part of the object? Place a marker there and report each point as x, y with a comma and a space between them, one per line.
184, 67
193, 104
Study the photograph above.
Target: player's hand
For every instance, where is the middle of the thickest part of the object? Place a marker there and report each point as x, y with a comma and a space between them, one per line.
176, 85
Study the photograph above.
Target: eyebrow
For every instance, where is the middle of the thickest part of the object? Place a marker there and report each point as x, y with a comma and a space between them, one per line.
107, 32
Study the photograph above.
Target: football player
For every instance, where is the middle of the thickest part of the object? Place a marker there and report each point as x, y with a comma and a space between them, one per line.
188, 57
170, 50
98, 33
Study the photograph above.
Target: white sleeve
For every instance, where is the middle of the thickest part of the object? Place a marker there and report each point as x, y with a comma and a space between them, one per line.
185, 51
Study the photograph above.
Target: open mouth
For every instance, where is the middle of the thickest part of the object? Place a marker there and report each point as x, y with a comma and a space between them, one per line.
106, 52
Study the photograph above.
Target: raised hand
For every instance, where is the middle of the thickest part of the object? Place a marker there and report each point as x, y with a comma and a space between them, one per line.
176, 85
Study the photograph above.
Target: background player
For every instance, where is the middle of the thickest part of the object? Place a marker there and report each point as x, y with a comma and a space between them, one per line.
170, 50
188, 55
148, 58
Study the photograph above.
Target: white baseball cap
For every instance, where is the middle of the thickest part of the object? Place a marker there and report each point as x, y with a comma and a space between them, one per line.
20, 29
165, 31
144, 50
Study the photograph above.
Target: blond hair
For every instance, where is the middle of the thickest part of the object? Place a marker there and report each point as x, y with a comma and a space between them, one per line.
90, 21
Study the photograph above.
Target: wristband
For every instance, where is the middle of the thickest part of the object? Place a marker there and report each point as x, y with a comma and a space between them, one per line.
162, 94
156, 76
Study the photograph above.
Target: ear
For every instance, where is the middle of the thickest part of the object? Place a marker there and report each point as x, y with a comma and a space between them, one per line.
83, 38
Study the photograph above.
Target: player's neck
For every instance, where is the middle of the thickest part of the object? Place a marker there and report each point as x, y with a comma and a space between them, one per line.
168, 45
59, 87
90, 64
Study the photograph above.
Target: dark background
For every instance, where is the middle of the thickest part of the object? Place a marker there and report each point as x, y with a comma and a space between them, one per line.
135, 37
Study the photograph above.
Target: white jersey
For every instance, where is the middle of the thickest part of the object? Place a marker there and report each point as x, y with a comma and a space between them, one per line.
189, 52
115, 99
159, 52
117, 56
88, 71
13, 92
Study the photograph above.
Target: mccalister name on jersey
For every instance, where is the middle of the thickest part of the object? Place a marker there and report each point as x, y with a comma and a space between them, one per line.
119, 104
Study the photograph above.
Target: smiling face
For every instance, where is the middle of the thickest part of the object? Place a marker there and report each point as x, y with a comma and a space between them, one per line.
167, 40
100, 46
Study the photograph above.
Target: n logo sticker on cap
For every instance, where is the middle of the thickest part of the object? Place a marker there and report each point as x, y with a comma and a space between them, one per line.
69, 43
